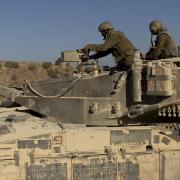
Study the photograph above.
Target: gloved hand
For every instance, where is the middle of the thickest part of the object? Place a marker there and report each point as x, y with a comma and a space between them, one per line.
87, 48
84, 58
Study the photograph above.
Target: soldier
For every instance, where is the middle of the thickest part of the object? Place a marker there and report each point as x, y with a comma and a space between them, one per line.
164, 46
116, 43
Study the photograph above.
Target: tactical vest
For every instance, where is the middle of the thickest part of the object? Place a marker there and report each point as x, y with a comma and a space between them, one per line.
171, 49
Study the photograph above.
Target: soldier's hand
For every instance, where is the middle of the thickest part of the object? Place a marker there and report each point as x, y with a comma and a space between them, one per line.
84, 58
87, 47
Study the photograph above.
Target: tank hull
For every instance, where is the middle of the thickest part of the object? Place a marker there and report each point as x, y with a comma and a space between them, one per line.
32, 148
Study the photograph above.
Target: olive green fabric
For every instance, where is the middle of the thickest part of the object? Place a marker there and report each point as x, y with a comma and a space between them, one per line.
105, 26
117, 44
165, 47
156, 26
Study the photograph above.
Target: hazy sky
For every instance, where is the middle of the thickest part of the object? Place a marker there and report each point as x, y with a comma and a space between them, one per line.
41, 29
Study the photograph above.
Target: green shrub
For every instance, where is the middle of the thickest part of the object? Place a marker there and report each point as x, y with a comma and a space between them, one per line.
11, 64
46, 65
52, 72
69, 68
32, 67
14, 77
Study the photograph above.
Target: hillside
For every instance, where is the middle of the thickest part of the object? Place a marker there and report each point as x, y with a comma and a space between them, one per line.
14, 73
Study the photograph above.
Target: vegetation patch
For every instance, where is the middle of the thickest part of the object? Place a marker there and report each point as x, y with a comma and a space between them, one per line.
46, 65
70, 69
11, 64
32, 67
14, 77
52, 72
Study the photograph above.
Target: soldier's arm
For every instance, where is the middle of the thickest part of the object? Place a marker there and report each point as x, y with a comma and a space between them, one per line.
108, 44
100, 54
160, 44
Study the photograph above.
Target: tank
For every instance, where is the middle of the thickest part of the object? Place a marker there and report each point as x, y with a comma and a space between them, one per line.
101, 125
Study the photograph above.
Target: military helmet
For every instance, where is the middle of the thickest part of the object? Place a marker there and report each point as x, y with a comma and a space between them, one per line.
155, 26
105, 26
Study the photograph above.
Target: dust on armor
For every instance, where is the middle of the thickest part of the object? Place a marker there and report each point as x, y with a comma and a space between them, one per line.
118, 126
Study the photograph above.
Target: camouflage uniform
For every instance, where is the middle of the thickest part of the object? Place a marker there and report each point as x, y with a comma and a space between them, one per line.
165, 46
117, 44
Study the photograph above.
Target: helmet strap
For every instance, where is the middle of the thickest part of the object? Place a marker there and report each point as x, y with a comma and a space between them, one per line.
152, 43
105, 34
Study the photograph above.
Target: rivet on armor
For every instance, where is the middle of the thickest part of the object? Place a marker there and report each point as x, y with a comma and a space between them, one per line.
174, 110
178, 110
159, 112
164, 111
169, 111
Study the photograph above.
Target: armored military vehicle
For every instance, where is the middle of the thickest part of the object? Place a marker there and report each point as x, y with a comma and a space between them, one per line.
101, 125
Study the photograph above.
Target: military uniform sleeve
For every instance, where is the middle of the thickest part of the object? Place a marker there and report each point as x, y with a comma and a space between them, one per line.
108, 44
100, 54
161, 43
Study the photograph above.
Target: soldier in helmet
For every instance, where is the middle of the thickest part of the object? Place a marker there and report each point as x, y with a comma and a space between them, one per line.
115, 43
164, 46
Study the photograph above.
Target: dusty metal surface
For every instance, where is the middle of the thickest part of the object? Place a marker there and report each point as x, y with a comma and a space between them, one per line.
33, 148
119, 126
149, 88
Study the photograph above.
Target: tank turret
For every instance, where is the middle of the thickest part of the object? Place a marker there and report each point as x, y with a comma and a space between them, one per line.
107, 98
49, 137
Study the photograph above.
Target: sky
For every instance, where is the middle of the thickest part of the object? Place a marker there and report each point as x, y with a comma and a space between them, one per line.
39, 30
